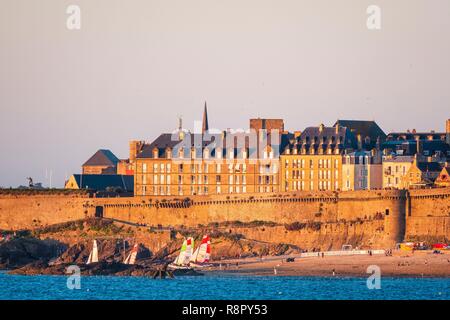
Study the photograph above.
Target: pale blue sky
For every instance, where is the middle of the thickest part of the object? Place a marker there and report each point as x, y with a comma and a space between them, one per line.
135, 65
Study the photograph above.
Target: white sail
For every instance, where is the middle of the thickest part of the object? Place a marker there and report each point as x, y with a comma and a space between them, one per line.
181, 257
131, 259
203, 252
93, 256
194, 255
188, 252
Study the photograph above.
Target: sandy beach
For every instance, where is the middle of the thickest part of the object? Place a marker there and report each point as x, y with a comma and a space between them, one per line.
401, 264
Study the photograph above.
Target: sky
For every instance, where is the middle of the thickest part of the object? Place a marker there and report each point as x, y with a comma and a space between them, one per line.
135, 66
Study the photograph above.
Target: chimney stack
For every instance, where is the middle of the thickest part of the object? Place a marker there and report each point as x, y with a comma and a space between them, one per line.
359, 143
321, 127
418, 146
135, 148
447, 131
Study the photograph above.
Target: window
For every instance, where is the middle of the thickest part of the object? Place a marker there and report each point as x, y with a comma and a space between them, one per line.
144, 167
218, 178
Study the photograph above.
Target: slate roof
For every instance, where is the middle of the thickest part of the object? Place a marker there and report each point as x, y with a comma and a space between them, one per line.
365, 129
102, 157
409, 147
404, 136
314, 137
429, 166
99, 182
165, 141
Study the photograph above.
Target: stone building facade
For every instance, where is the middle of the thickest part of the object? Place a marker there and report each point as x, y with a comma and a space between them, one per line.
207, 163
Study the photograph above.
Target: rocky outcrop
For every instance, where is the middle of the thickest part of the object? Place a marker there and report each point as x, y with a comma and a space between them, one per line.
103, 268
21, 251
109, 251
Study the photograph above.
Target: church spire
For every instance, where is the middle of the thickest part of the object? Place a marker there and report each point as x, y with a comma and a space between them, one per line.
205, 126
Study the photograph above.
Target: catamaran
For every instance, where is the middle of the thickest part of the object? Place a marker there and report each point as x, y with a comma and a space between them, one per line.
93, 256
131, 259
202, 254
183, 259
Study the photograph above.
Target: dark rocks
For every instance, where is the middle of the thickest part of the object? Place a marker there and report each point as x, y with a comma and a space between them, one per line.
114, 250
102, 268
22, 251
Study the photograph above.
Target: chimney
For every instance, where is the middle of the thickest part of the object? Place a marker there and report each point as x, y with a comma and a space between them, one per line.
359, 142
418, 146
337, 128
321, 127
135, 148
447, 131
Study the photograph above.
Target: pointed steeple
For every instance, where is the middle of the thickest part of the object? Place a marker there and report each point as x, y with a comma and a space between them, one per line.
205, 126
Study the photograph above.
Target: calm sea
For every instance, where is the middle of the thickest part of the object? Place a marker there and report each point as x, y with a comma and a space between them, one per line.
221, 287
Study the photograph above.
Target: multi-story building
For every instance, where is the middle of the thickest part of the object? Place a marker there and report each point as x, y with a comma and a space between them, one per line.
394, 169
402, 148
313, 160
362, 170
205, 163
421, 174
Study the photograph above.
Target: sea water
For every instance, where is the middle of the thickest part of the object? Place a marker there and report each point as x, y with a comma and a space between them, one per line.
220, 287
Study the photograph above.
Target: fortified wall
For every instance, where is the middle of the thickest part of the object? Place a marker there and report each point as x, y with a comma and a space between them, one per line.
321, 219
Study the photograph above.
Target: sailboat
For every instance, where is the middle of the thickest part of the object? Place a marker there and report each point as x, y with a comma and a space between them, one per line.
183, 259
93, 256
202, 254
131, 259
